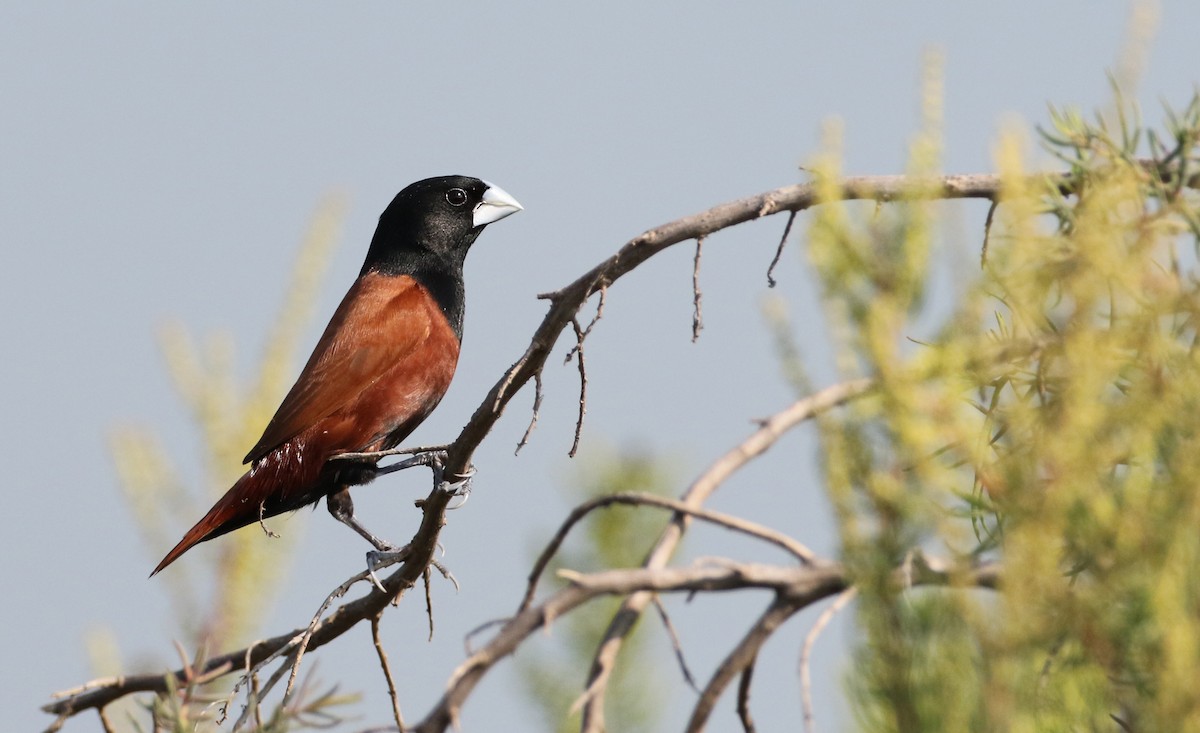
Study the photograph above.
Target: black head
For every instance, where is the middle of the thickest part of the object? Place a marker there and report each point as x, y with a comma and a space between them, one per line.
426, 231
433, 223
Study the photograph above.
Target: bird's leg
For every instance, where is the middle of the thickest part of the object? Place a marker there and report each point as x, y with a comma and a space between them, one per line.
341, 506
435, 459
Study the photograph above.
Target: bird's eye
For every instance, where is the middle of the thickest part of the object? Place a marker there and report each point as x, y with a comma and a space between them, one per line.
456, 197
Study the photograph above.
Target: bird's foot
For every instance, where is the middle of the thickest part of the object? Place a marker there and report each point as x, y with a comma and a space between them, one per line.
460, 489
382, 558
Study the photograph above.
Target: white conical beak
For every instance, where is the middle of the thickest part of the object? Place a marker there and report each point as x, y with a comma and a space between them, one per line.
495, 205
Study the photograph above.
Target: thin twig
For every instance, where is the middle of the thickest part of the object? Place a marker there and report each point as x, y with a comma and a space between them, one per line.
580, 334
302, 644
60, 721
987, 231
105, 724
428, 603
467, 648
675, 644
537, 408
697, 313
787, 229
806, 652
255, 701
587, 331
387, 674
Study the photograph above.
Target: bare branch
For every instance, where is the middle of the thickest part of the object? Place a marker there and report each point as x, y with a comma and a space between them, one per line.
696, 494
565, 303
697, 314
580, 334
537, 408
743, 698
987, 231
805, 673
641, 499
587, 331
743, 656
811, 582
796, 588
387, 674
675, 644
787, 229
428, 602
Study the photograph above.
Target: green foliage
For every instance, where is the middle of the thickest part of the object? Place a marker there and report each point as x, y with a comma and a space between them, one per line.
615, 537
1053, 425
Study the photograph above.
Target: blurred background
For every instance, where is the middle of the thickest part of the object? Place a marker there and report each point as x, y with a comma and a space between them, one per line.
163, 166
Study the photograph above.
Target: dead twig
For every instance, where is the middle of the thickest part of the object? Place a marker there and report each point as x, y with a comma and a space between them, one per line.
387, 674
787, 229
675, 644
580, 334
428, 604
806, 652
537, 409
987, 231
697, 313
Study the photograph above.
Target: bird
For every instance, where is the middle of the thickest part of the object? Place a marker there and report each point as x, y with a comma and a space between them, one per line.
381, 366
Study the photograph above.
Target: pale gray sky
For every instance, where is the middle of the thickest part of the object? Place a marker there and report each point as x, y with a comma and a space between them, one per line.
160, 161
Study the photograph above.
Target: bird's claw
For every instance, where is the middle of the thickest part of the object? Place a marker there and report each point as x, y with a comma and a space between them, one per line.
377, 559
460, 488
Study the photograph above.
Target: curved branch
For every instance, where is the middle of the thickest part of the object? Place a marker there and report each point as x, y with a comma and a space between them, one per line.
567, 301
736, 524
695, 496
812, 582
797, 586
743, 655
